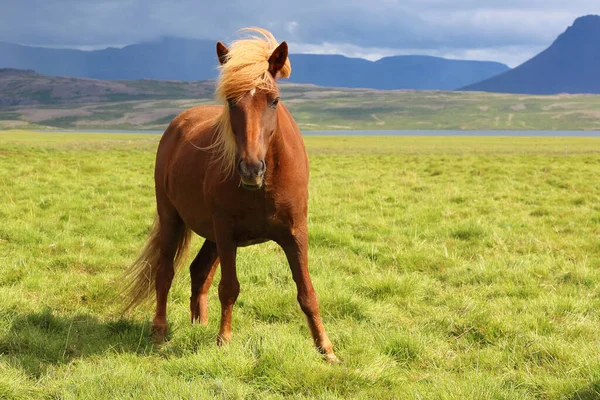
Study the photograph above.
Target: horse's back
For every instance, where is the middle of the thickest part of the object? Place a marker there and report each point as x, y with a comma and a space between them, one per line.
191, 123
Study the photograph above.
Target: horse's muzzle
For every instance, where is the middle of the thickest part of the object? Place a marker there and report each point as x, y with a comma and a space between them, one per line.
251, 174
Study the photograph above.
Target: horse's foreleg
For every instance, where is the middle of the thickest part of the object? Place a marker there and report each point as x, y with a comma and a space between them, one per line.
229, 287
202, 271
296, 250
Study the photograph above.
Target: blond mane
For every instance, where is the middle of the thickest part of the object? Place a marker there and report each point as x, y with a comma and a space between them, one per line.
246, 68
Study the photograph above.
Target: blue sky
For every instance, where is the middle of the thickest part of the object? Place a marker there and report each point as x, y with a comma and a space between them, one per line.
509, 31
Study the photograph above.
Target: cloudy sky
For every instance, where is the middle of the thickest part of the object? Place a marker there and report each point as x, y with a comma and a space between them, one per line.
509, 31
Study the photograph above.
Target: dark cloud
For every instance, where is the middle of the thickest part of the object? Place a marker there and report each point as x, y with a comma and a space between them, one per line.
425, 26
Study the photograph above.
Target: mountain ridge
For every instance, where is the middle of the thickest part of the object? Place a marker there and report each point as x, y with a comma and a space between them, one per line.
571, 64
172, 58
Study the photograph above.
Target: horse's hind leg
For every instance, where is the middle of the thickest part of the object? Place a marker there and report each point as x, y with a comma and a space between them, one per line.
172, 230
202, 271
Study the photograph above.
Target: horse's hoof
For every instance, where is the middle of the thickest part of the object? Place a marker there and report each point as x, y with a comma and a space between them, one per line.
159, 333
332, 359
223, 339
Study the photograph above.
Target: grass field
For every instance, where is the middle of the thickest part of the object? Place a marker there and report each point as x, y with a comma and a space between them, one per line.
447, 268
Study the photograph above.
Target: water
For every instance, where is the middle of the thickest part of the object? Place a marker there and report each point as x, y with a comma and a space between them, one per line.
452, 133
392, 133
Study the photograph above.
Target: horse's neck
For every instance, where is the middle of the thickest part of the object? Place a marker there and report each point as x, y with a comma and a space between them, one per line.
283, 132
277, 146
287, 146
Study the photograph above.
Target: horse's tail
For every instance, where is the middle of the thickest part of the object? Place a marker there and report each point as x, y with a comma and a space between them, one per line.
140, 278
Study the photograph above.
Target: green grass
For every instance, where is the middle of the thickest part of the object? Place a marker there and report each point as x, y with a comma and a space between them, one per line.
447, 268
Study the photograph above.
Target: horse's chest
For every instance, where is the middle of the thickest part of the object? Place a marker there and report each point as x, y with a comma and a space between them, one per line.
258, 222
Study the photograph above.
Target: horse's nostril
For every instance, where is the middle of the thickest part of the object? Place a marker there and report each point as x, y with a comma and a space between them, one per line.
253, 169
241, 167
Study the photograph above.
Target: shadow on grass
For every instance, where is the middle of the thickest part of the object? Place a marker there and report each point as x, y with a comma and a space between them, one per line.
591, 392
37, 340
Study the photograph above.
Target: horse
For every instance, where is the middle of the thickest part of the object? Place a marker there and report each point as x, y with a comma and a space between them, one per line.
235, 174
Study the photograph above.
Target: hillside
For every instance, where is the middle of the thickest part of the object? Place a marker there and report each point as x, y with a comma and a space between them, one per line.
26, 87
570, 65
195, 60
28, 99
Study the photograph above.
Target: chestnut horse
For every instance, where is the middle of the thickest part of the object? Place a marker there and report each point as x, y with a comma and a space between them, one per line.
237, 175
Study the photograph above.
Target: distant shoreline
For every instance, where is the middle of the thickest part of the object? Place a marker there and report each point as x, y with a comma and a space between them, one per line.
399, 132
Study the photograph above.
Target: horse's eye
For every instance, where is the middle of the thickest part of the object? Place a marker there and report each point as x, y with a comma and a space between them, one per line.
231, 103
275, 102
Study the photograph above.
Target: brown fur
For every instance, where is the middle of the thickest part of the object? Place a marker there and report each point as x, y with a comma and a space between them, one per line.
140, 277
197, 189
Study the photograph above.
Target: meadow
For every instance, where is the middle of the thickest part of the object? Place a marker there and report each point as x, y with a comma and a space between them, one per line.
447, 268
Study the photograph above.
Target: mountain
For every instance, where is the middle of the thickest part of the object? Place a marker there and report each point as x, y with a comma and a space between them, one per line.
195, 60
570, 65
397, 72
168, 59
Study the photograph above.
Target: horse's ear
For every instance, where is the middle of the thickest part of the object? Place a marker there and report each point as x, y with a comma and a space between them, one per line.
278, 59
222, 52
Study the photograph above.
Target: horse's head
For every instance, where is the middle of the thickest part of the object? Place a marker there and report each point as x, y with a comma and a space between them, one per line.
252, 113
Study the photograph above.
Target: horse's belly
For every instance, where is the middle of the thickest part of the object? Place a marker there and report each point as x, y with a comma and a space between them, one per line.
250, 242
194, 213
202, 228
242, 238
